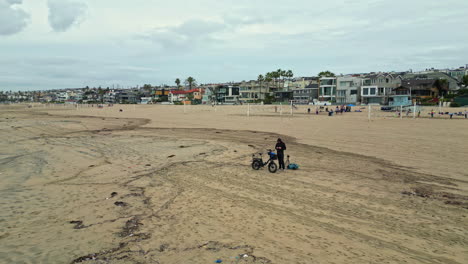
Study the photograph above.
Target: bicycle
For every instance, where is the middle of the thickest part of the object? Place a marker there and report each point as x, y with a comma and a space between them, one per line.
257, 162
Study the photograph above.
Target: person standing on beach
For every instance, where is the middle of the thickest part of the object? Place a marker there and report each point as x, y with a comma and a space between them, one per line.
280, 148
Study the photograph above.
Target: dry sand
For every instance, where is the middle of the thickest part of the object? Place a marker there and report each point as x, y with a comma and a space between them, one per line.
388, 190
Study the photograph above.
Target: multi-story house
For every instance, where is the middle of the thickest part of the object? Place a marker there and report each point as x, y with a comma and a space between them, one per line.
62, 96
424, 84
347, 89
327, 89
305, 95
252, 91
400, 96
126, 96
458, 73
231, 94
376, 88
189, 95
109, 97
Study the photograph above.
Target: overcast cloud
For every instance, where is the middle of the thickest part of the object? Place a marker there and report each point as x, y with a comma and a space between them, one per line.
12, 18
127, 43
63, 14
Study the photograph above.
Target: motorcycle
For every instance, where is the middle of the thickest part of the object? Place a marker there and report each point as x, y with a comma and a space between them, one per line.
257, 162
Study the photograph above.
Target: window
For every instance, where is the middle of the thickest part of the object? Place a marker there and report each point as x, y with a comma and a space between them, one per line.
372, 91
381, 91
365, 91
353, 92
387, 80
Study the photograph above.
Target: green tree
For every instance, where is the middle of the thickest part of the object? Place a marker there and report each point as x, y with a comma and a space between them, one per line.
177, 81
462, 91
465, 80
190, 81
101, 93
326, 74
269, 99
442, 86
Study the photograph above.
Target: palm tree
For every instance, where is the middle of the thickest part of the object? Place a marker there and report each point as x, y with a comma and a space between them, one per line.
290, 74
278, 76
283, 74
177, 81
261, 79
269, 76
190, 82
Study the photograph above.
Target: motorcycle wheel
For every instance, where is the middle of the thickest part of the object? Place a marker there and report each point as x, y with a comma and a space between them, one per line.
256, 165
272, 167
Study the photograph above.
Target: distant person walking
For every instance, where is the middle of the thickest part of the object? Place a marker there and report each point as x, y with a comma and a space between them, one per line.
280, 148
308, 110
432, 113
316, 111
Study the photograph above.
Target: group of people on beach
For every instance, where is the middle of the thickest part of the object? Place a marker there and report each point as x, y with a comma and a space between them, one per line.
338, 110
465, 114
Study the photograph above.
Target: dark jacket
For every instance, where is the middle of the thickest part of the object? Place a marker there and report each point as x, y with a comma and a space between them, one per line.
282, 146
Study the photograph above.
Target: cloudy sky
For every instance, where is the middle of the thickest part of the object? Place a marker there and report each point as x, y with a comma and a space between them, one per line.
47, 44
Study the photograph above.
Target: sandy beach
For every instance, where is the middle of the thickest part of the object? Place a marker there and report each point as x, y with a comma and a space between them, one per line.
173, 184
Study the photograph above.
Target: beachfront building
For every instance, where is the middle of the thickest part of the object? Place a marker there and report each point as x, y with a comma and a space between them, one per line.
305, 95
146, 100
62, 97
424, 85
400, 96
178, 96
190, 95
126, 96
284, 96
347, 89
458, 73
377, 87
162, 94
231, 94
109, 97
327, 89
207, 97
252, 91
